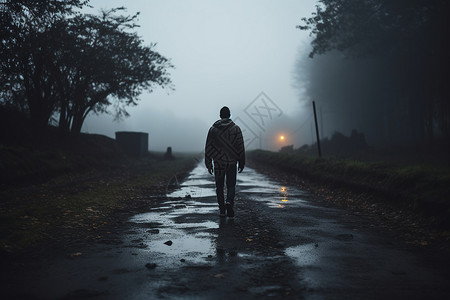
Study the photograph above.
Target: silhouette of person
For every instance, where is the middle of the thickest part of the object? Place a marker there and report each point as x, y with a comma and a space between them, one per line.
224, 149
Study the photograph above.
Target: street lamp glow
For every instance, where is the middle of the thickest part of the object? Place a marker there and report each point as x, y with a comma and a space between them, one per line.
282, 137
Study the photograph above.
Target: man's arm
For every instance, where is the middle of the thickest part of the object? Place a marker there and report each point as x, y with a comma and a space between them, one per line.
241, 150
208, 150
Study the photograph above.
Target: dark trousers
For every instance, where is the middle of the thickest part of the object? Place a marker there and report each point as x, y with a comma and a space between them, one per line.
222, 173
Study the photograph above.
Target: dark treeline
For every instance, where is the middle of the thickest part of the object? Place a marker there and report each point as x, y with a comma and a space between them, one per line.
380, 67
58, 65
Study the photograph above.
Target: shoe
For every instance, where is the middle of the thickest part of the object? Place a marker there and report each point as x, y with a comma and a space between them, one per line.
222, 212
230, 211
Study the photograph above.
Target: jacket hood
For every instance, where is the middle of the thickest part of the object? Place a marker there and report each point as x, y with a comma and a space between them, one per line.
223, 123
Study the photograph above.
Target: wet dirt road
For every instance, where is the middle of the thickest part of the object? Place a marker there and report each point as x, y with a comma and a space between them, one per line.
281, 245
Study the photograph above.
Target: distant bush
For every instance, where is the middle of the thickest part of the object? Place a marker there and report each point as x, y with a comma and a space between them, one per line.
289, 148
338, 145
25, 158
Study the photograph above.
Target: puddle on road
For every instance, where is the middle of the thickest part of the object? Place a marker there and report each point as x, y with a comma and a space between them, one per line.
183, 220
198, 184
190, 238
305, 255
250, 178
278, 197
270, 192
180, 220
192, 190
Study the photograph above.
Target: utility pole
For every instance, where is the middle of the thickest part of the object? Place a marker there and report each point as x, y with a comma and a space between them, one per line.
317, 129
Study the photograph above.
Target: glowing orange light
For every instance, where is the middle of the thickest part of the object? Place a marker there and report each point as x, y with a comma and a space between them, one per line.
282, 137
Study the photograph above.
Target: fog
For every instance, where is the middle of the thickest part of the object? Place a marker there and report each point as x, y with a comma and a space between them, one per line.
380, 68
225, 53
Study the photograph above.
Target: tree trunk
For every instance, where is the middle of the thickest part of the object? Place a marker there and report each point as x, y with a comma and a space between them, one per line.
39, 114
77, 123
64, 119
78, 119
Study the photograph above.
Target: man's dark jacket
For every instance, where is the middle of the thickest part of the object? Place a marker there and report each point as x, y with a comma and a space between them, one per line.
224, 144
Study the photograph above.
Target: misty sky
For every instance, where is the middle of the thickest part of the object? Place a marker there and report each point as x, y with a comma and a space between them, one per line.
225, 53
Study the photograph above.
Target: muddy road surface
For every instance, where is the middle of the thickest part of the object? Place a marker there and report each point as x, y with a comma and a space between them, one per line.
281, 245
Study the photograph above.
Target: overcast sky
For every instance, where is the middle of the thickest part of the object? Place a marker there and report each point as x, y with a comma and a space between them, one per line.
238, 53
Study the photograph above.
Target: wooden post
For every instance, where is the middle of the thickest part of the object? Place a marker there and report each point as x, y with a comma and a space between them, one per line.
317, 129
321, 121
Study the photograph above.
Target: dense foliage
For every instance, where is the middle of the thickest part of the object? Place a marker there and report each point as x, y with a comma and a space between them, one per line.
384, 64
59, 65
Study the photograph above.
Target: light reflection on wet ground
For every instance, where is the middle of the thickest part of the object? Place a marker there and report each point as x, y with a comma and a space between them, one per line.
189, 219
188, 236
326, 252
179, 218
271, 193
198, 184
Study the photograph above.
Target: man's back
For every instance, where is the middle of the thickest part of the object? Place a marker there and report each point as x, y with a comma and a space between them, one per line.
225, 143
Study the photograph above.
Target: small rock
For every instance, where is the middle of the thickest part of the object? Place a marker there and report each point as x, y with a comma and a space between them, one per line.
316, 245
141, 246
150, 266
281, 245
182, 260
168, 243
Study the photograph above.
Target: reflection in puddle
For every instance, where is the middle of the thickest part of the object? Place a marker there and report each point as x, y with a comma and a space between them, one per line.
305, 255
254, 179
185, 218
192, 191
182, 244
188, 238
261, 190
196, 185
181, 221
270, 193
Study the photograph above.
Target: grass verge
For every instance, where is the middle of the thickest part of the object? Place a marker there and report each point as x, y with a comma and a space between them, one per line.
74, 201
423, 188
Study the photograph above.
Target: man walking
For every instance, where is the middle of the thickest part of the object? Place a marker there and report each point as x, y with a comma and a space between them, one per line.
225, 148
